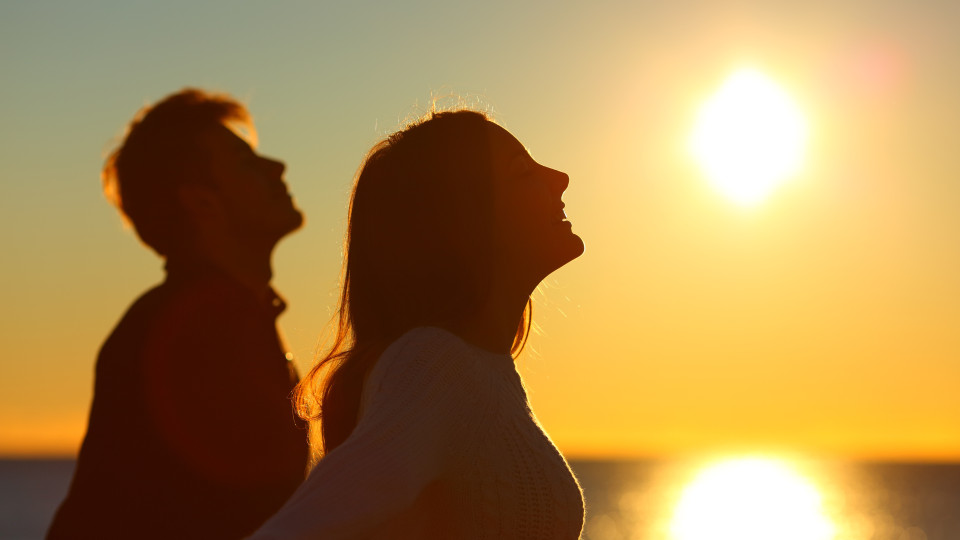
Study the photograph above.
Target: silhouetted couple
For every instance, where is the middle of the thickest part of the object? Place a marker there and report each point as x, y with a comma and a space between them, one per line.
426, 428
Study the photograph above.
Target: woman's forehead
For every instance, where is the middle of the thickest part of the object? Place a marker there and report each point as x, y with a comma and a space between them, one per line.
503, 140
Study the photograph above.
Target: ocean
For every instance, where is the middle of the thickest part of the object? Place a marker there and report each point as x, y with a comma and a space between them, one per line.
732, 499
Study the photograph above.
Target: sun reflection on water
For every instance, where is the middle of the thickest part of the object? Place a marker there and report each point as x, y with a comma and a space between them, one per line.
769, 497
750, 499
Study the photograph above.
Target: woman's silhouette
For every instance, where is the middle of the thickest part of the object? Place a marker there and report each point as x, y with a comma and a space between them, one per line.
426, 428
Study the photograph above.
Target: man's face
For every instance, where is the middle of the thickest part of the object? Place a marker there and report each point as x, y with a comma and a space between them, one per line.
250, 188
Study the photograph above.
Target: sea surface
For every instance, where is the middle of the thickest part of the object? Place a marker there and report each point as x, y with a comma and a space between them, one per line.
719, 499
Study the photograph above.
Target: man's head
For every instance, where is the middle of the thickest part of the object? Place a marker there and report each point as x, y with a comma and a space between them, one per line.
182, 171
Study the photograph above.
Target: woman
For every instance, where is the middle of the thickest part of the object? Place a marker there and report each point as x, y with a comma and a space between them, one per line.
426, 428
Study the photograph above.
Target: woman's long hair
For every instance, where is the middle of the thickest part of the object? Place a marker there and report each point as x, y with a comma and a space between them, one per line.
418, 252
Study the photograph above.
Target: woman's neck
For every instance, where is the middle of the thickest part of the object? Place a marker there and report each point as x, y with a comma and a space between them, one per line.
494, 328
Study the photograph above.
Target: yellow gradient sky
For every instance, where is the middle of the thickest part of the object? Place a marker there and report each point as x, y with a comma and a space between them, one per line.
825, 320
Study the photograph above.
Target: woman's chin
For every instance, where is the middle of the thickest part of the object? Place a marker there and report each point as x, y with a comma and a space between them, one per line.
580, 245
571, 248
574, 247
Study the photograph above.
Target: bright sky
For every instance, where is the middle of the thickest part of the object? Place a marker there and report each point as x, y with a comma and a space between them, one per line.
825, 319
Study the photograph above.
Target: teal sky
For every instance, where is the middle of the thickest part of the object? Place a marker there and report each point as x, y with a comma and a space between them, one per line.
824, 320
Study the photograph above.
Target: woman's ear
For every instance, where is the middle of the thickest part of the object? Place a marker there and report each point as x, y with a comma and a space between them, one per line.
201, 204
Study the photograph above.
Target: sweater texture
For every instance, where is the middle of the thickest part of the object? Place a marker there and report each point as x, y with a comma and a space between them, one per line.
446, 447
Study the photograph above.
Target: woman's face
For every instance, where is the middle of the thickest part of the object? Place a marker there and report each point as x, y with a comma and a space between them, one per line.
533, 236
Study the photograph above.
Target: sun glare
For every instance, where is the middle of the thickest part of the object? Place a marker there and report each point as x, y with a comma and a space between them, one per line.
749, 137
750, 499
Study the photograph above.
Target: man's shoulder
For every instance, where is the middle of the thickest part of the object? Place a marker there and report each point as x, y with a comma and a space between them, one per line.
174, 305
135, 321
183, 301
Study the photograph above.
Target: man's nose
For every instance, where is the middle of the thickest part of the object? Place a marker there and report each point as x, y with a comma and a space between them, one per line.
275, 167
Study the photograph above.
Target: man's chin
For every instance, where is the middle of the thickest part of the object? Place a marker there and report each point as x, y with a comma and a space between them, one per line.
297, 221
280, 228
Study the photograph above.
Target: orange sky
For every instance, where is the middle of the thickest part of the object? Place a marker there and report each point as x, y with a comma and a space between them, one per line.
823, 320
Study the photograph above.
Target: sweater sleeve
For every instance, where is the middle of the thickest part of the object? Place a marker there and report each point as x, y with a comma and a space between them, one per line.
419, 397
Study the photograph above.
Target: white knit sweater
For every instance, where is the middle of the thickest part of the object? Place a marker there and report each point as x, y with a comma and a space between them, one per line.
446, 447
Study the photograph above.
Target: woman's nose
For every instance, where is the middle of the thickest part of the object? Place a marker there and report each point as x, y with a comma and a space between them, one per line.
559, 180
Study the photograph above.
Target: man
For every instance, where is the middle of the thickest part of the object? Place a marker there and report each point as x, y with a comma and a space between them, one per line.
191, 432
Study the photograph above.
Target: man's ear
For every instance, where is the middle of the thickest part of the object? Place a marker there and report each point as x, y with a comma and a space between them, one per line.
201, 203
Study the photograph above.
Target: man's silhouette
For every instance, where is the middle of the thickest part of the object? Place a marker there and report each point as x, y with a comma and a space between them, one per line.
191, 431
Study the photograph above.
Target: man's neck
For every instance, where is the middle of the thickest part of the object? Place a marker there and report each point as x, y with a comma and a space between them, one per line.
248, 265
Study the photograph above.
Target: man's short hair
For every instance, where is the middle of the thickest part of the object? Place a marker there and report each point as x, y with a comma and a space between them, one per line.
162, 151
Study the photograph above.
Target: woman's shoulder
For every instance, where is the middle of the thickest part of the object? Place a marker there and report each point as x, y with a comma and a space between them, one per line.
426, 339
432, 344
429, 357
425, 347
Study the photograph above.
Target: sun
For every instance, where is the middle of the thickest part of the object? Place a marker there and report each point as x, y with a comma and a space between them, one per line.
749, 137
750, 499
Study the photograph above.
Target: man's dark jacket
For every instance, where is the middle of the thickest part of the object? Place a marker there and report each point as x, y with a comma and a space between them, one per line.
191, 432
